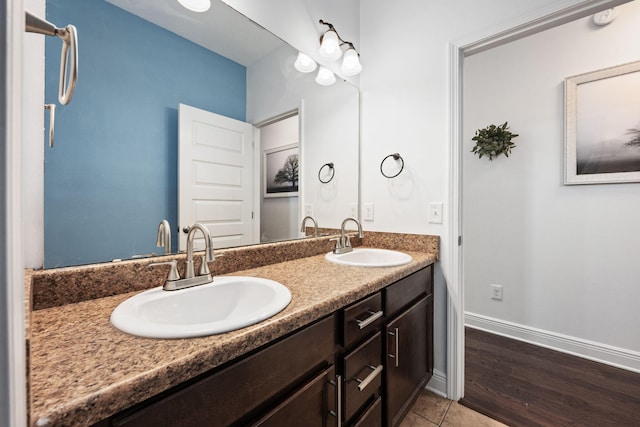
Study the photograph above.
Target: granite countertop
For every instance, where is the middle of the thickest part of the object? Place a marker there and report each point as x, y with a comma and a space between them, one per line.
83, 370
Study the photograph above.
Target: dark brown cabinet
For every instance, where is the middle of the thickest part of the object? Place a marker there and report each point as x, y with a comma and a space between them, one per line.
361, 366
239, 393
408, 358
314, 404
408, 342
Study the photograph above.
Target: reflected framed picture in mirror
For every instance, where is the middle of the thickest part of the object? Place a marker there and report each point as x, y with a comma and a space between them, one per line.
602, 126
281, 166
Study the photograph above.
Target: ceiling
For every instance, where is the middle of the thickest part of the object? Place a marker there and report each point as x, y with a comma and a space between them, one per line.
221, 29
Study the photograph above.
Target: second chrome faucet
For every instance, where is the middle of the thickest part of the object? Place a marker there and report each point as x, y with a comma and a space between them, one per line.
343, 243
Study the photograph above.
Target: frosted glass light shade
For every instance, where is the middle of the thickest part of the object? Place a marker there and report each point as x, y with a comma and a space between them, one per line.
196, 5
325, 77
351, 63
330, 46
304, 64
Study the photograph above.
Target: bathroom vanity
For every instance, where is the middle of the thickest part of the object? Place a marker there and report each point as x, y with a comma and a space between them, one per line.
354, 347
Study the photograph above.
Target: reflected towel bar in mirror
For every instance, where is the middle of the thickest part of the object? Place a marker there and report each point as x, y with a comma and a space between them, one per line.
330, 172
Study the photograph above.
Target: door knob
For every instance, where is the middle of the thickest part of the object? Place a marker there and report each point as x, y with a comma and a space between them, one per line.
185, 230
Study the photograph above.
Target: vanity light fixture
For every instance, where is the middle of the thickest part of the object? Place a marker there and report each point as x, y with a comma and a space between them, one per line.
196, 5
331, 49
304, 63
325, 77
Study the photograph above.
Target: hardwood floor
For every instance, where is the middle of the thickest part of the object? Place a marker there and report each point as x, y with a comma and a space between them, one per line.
525, 385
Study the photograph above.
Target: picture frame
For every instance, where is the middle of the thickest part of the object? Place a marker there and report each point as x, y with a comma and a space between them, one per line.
602, 126
281, 171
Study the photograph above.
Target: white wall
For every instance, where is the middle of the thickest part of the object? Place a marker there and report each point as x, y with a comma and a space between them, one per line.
404, 95
405, 109
567, 256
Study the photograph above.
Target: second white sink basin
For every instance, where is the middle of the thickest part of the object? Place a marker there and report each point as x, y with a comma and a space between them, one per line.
370, 257
226, 304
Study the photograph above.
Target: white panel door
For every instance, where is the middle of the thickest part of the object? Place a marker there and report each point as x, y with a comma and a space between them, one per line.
215, 177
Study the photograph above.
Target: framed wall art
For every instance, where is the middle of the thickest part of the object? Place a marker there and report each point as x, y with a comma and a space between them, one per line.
602, 126
281, 167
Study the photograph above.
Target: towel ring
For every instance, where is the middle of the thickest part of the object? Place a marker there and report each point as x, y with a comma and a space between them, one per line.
395, 156
333, 172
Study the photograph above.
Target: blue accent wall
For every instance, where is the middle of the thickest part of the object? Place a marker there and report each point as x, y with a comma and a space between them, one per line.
112, 175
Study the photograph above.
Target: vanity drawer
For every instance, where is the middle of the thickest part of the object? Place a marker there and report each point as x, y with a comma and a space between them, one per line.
406, 290
372, 417
362, 375
224, 397
362, 319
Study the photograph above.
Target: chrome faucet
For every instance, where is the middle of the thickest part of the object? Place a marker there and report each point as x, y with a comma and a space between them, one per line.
315, 225
208, 257
164, 236
343, 243
173, 281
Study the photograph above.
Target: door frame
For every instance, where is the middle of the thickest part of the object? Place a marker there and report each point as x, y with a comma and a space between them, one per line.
13, 401
520, 27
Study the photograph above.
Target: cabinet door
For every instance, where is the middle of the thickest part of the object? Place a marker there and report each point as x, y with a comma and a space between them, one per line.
314, 404
407, 358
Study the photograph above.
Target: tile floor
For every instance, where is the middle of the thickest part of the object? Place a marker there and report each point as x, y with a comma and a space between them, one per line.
432, 410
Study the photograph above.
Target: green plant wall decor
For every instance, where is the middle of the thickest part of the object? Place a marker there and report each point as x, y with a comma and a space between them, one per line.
493, 141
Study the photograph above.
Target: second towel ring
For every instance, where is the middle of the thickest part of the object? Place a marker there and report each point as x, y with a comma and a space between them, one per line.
331, 168
395, 156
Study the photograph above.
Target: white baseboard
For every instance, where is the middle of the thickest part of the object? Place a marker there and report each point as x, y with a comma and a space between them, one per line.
598, 352
438, 383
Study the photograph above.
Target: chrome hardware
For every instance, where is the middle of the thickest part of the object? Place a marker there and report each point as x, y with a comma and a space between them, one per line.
52, 122
204, 267
185, 230
315, 225
173, 276
164, 236
365, 382
396, 356
369, 320
338, 384
174, 282
343, 245
69, 54
208, 248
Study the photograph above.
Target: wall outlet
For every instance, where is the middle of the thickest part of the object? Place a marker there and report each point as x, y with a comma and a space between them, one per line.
496, 292
308, 210
435, 213
368, 211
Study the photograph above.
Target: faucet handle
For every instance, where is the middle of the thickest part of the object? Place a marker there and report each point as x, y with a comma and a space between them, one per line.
204, 267
173, 272
338, 241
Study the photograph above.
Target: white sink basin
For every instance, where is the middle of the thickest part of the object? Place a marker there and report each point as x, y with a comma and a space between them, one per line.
370, 257
226, 304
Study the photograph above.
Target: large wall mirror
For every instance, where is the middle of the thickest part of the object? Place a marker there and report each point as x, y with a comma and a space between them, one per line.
113, 174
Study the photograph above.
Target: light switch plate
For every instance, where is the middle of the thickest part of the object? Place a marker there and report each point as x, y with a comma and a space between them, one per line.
435, 213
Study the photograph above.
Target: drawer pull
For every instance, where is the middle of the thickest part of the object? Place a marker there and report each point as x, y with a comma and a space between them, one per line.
365, 382
396, 335
369, 320
338, 384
